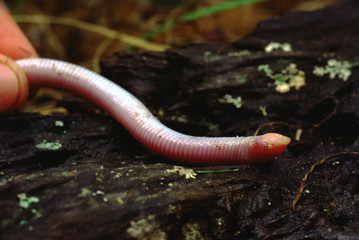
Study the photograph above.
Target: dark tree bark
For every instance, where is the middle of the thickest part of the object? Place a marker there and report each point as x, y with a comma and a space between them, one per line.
84, 177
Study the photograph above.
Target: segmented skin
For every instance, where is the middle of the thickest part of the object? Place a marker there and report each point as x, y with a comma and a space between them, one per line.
139, 121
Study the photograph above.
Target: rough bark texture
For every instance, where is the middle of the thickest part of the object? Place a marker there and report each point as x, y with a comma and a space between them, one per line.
94, 181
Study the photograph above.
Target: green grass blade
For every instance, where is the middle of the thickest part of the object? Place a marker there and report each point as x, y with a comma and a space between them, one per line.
215, 8
197, 14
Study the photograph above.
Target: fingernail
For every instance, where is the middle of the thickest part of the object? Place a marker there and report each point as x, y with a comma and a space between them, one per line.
13, 85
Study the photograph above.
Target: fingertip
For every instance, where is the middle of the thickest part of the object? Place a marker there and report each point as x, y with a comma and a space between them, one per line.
14, 88
13, 42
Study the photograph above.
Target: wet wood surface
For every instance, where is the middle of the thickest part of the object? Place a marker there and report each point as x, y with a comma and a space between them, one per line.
80, 175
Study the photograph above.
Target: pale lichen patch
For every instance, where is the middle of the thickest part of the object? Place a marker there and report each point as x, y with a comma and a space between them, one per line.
181, 118
146, 228
239, 54
227, 98
85, 192
285, 47
211, 57
59, 123
192, 230
263, 110
49, 145
289, 77
25, 201
171, 209
334, 68
187, 173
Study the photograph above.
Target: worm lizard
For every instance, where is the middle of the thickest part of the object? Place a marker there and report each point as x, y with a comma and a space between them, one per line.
136, 118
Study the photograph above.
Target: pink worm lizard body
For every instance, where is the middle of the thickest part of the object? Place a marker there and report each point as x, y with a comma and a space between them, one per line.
139, 121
